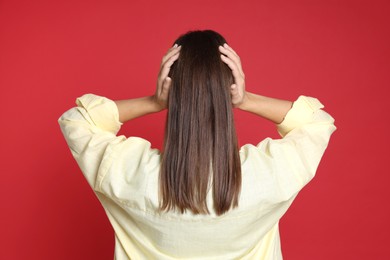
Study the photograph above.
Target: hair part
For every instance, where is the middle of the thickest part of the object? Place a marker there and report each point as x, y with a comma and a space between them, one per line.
200, 146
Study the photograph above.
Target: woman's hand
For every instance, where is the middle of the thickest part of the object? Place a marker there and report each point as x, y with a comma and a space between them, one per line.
230, 57
269, 108
163, 81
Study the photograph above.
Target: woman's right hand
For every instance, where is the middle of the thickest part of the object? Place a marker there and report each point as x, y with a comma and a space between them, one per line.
163, 81
230, 57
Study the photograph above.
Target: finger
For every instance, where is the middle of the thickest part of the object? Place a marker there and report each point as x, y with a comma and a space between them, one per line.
170, 53
236, 94
173, 47
234, 90
167, 65
165, 88
229, 53
232, 55
233, 66
229, 48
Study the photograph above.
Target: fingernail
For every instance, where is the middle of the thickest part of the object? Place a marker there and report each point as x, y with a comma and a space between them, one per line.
175, 46
225, 44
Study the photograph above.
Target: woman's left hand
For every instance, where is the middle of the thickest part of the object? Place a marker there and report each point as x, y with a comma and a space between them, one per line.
163, 81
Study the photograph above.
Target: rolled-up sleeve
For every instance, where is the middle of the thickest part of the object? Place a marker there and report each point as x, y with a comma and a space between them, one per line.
305, 132
90, 130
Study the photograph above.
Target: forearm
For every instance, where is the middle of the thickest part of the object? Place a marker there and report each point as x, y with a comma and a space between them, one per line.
269, 108
132, 108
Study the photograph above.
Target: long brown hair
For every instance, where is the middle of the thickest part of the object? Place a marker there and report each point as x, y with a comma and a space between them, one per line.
200, 146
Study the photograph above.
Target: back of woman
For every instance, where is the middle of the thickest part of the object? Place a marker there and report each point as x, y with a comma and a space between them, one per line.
202, 196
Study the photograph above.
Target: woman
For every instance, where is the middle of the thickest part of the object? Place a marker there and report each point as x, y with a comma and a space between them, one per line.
202, 197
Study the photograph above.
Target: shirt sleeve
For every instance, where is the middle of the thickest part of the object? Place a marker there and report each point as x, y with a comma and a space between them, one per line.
294, 159
90, 131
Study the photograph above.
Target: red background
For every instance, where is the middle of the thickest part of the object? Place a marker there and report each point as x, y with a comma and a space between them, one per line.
54, 51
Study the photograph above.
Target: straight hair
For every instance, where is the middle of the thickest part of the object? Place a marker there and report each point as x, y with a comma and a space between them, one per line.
200, 149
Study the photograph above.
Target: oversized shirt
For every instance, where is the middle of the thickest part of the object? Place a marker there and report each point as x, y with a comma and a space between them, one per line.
124, 174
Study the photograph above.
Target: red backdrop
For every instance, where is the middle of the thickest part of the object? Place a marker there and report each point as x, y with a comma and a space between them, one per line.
54, 51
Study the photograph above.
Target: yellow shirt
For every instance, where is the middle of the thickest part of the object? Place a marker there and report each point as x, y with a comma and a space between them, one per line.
123, 172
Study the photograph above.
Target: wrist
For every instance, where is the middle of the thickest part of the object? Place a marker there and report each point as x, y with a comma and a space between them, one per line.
156, 104
245, 103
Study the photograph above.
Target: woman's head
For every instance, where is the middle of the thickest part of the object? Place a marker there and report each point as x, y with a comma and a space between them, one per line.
200, 147
199, 51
